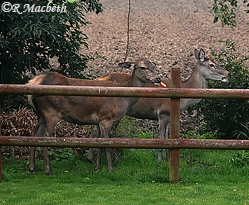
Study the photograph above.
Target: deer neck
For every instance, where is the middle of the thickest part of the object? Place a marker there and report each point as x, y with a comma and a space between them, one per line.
134, 81
196, 80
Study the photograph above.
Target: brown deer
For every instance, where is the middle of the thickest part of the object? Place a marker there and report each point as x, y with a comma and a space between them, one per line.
159, 108
105, 112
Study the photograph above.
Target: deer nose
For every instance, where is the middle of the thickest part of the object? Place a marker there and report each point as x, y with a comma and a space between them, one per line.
157, 80
224, 79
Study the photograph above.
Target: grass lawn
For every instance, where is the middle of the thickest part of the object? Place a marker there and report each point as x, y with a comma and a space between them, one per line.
207, 177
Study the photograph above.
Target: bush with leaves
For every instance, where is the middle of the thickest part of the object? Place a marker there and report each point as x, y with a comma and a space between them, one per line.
30, 39
226, 11
227, 115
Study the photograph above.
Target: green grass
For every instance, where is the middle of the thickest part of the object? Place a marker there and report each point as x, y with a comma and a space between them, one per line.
207, 177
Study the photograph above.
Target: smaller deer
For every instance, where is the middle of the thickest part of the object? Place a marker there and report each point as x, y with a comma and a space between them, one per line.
105, 112
159, 108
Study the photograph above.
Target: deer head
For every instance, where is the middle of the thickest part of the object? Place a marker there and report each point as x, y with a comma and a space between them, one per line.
209, 69
143, 69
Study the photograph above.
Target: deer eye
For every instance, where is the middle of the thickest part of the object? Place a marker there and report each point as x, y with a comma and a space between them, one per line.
143, 68
211, 65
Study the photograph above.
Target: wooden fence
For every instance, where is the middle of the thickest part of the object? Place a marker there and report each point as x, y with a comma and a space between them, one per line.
174, 143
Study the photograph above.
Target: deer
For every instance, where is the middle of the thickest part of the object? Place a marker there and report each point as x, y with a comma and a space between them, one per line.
105, 112
159, 108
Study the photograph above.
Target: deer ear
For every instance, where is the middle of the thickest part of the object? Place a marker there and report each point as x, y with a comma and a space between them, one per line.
201, 55
196, 52
125, 64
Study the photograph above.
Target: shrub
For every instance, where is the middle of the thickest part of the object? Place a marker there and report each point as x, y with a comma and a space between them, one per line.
226, 11
30, 39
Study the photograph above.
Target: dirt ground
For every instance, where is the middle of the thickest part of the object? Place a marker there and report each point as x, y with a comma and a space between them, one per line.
165, 32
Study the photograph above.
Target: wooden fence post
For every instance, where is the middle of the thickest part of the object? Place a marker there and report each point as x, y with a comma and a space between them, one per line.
174, 174
1, 173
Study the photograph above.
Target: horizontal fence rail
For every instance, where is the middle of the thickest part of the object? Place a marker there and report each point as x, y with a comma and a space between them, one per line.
124, 143
122, 91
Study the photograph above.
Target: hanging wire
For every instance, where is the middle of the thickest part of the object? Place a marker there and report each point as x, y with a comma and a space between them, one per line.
128, 32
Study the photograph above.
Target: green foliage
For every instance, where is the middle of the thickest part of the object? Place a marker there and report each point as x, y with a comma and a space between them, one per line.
227, 115
126, 127
62, 154
196, 135
129, 128
243, 133
30, 39
145, 135
225, 10
240, 159
247, 4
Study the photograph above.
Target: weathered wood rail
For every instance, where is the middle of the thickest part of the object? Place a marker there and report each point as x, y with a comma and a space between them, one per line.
124, 143
174, 143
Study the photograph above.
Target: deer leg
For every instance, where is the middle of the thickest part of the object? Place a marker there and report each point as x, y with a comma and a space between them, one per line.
47, 128
105, 132
98, 161
32, 159
39, 131
115, 154
94, 133
163, 122
167, 137
114, 151
109, 159
49, 131
99, 150
47, 161
160, 155
90, 155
